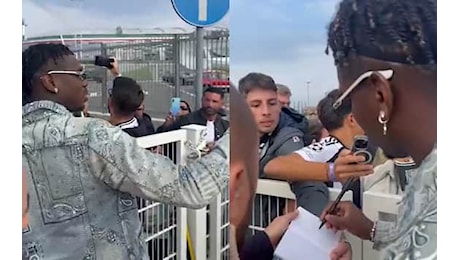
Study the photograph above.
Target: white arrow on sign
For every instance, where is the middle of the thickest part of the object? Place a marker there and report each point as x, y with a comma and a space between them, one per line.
202, 10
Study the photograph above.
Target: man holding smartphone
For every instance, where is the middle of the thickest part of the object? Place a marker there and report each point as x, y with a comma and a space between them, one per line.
208, 115
126, 97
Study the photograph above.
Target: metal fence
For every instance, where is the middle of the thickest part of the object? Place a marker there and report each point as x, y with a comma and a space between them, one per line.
163, 64
165, 226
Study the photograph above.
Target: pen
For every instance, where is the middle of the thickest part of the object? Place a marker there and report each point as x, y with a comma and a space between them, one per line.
333, 208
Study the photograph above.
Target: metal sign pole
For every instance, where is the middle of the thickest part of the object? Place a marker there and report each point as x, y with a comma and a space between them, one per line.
199, 66
177, 80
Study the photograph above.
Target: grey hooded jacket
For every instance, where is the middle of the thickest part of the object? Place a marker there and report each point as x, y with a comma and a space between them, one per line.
83, 175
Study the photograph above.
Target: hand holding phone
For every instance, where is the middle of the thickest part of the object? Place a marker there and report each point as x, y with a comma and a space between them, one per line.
103, 61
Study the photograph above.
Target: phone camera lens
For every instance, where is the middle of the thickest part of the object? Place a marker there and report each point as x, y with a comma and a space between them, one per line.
361, 144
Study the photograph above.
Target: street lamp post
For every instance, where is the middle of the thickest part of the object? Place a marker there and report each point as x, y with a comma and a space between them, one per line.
308, 93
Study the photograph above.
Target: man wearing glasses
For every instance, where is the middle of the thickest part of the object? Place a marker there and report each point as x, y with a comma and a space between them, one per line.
84, 173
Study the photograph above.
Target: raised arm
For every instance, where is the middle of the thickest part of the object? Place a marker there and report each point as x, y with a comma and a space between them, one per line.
117, 160
299, 166
292, 167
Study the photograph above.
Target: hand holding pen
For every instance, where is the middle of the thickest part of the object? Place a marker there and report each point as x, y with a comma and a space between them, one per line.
349, 218
332, 209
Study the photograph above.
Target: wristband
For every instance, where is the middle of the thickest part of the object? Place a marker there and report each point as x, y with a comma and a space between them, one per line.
331, 173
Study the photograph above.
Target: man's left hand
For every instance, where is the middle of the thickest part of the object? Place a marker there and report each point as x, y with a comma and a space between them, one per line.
278, 227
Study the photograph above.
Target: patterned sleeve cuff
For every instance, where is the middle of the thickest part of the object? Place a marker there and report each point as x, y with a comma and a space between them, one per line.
383, 230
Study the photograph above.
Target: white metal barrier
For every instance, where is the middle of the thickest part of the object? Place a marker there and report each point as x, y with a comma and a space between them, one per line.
165, 226
375, 206
208, 243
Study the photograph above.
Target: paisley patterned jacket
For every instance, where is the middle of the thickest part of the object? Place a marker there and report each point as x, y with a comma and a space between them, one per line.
83, 176
414, 236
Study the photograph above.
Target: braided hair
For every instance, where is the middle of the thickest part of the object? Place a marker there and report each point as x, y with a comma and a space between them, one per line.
402, 31
33, 59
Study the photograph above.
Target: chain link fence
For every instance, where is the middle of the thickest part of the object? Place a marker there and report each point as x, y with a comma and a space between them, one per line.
163, 64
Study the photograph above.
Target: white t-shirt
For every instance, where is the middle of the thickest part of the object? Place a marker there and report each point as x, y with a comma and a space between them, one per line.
210, 132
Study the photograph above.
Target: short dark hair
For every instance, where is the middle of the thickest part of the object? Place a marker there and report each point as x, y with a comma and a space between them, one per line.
255, 80
315, 128
331, 118
33, 59
126, 95
392, 30
215, 91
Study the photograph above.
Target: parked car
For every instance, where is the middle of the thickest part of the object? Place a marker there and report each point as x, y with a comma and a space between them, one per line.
211, 78
216, 78
187, 78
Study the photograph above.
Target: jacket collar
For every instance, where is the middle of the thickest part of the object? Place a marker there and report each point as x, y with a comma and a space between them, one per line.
37, 110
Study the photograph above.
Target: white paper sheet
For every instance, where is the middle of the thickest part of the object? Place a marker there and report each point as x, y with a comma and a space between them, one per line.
304, 241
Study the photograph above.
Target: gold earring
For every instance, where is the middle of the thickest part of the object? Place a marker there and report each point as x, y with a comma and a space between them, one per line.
56, 90
383, 121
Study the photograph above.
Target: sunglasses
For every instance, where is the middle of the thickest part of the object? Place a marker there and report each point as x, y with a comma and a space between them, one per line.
387, 74
184, 108
81, 74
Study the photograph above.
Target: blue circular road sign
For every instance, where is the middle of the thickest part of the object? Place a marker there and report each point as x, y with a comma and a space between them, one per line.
201, 13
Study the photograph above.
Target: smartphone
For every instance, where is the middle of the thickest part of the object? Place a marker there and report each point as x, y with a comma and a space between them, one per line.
360, 147
103, 61
175, 106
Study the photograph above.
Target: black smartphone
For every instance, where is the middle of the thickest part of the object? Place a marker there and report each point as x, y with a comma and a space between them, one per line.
360, 147
103, 61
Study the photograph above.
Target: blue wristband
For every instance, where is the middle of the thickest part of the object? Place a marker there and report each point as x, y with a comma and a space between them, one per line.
331, 172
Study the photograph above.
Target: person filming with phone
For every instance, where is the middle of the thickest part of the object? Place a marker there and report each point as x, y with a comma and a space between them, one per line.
208, 115
126, 98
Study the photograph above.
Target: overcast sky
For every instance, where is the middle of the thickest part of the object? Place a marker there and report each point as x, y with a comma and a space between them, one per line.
283, 38
45, 17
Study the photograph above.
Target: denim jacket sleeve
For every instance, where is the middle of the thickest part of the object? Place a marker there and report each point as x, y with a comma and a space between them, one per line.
117, 160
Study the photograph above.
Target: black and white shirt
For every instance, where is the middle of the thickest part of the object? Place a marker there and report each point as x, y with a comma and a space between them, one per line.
326, 150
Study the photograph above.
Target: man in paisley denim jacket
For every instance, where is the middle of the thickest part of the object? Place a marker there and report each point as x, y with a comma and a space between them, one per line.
83, 173
386, 58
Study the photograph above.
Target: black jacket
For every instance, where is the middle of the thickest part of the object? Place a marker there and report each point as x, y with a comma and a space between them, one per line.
257, 247
196, 117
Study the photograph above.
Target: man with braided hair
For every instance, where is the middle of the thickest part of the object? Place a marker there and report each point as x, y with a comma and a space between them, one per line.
385, 54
